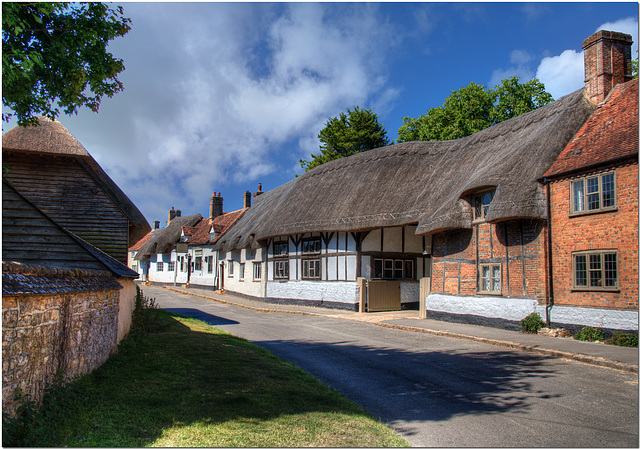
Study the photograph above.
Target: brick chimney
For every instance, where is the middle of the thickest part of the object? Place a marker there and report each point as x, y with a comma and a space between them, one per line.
215, 206
258, 193
607, 62
173, 214
246, 199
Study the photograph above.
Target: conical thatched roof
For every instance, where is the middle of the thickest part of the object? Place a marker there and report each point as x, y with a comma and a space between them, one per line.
51, 137
48, 137
162, 240
420, 182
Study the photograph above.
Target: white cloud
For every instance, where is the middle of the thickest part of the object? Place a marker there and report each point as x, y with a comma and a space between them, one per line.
208, 101
520, 67
562, 74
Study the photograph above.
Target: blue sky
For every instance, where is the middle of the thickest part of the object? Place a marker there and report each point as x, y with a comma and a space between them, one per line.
223, 96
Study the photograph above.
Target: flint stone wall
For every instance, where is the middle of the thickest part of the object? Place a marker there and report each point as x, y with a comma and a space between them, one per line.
54, 322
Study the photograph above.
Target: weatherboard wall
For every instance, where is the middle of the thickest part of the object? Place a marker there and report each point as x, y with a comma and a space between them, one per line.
67, 193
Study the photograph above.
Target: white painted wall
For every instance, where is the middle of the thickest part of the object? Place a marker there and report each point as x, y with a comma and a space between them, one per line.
247, 285
513, 309
587, 316
337, 291
202, 277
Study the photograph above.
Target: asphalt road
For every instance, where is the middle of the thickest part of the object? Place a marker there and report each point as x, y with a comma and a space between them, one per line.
439, 391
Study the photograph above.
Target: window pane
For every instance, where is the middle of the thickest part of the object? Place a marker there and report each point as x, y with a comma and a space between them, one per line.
592, 185
398, 269
486, 200
578, 196
388, 269
408, 269
377, 268
593, 201
496, 285
486, 284
485, 271
581, 271
610, 270
477, 207
305, 268
608, 191
595, 270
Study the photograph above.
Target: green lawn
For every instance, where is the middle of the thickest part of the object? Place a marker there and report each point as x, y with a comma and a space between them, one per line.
185, 383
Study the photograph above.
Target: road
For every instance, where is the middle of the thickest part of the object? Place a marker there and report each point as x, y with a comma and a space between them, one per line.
440, 391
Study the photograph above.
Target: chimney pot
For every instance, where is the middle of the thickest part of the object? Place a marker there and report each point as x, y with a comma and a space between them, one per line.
259, 192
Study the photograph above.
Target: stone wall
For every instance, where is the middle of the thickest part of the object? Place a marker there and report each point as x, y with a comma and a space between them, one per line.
54, 322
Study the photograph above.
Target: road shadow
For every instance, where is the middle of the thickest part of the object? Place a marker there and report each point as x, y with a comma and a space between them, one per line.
200, 315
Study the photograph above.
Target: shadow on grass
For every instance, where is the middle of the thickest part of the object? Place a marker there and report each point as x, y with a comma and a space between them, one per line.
213, 320
181, 374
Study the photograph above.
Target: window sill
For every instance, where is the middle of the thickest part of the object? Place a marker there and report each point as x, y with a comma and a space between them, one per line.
489, 293
593, 212
596, 289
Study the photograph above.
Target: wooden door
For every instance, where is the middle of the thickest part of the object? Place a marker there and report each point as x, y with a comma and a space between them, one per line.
383, 296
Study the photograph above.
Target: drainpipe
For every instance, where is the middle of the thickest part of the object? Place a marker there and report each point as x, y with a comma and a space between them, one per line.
549, 254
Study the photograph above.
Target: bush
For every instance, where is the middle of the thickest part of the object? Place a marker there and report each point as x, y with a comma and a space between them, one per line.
589, 334
623, 339
532, 323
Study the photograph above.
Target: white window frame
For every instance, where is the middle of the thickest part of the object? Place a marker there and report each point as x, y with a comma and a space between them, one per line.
281, 269
230, 268
257, 271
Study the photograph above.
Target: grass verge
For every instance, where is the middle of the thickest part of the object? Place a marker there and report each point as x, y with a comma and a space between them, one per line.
185, 383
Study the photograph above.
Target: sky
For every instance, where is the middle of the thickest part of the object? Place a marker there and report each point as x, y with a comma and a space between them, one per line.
222, 96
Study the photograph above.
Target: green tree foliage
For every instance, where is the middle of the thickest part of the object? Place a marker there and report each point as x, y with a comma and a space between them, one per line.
54, 55
349, 133
474, 108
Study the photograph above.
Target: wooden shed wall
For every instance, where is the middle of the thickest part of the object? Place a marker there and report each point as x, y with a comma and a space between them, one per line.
29, 237
68, 194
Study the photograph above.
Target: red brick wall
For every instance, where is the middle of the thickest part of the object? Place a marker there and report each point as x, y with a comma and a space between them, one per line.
519, 245
608, 230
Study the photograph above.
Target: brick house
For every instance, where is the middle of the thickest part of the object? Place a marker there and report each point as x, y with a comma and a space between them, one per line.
593, 203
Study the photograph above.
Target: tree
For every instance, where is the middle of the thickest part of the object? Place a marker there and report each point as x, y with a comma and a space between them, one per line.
349, 133
474, 108
54, 56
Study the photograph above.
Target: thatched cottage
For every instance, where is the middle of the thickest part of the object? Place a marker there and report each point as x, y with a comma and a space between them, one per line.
182, 252
468, 215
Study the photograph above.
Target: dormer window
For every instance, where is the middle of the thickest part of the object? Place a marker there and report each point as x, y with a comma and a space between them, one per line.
480, 203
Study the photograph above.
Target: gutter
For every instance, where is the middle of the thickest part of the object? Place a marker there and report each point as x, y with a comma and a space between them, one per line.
549, 255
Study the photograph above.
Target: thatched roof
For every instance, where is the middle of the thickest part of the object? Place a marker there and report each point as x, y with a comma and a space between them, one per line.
421, 183
162, 240
51, 137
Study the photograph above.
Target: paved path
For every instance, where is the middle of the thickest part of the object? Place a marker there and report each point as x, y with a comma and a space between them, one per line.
436, 391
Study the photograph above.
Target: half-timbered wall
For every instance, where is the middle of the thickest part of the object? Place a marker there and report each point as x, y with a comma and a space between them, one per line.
513, 253
68, 194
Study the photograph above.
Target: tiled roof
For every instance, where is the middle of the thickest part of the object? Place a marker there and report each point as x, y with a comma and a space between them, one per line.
609, 134
225, 221
141, 242
200, 233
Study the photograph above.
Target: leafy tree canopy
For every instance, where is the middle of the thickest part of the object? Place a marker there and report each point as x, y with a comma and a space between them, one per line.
349, 133
474, 108
54, 56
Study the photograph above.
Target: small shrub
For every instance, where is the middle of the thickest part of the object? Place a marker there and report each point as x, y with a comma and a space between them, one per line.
33, 424
143, 320
589, 334
623, 339
532, 323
